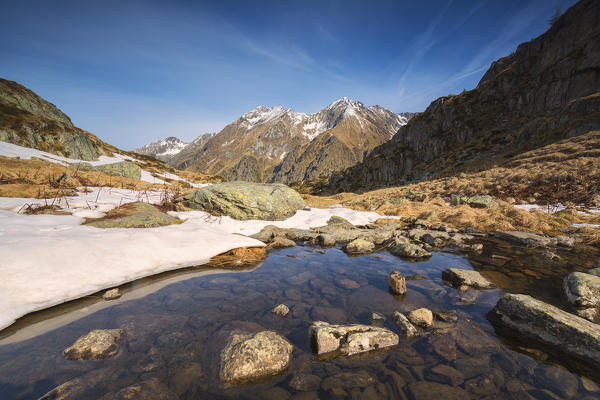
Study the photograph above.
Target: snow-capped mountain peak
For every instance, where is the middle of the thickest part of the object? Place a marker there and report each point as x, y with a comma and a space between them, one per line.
162, 148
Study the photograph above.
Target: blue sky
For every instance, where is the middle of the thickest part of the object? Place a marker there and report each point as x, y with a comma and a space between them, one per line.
135, 71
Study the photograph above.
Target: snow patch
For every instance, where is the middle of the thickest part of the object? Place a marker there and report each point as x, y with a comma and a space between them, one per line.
51, 259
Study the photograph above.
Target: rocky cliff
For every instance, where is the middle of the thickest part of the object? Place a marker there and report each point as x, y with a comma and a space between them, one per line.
274, 144
547, 90
30, 121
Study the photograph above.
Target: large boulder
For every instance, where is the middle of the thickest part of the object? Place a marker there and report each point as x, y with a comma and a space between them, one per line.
402, 247
95, 345
245, 200
582, 290
250, 356
524, 317
350, 339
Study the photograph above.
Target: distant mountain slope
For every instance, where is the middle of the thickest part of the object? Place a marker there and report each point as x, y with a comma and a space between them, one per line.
547, 90
277, 144
162, 149
28, 120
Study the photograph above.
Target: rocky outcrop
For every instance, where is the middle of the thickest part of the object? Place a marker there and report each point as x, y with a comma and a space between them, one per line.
465, 277
582, 290
244, 200
524, 317
30, 121
249, 356
126, 169
95, 345
134, 215
547, 90
350, 339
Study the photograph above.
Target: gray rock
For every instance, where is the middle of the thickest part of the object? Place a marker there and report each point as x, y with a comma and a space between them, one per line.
125, 169
360, 246
530, 239
422, 317
565, 333
249, 356
446, 316
403, 248
445, 374
326, 240
377, 317
404, 325
95, 345
282, 310
459, 277
594, 271
112, 294
582, 290
397, 283
268, 233
245, 200
281, 242
350, 339
485, 201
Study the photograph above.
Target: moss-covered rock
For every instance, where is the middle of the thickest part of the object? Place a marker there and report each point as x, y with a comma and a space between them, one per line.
245, 200
126, 169
134, 215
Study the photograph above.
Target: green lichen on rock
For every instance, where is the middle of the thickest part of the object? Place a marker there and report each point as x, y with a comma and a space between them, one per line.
126, 169
134, 215
245, 200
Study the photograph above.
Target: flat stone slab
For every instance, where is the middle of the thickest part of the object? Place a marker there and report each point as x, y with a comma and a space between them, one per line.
582, 290
350, 339
459, 277
565, 333
531, 239
95, 345
250, 356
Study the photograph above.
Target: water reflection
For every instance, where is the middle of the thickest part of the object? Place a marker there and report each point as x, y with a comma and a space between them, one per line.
173, 336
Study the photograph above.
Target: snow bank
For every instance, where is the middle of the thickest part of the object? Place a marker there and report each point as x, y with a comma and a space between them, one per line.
49, 259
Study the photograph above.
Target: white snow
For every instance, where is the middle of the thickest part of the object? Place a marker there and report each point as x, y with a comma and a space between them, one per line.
595, 226
549, 209
282, 156
50, 259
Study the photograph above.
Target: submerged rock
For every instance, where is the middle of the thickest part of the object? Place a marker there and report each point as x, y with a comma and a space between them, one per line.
465, 277
523, 316
245, 200
582, 290
405, 326
397, 283
134, 215
95, 345
252, 356
350, 339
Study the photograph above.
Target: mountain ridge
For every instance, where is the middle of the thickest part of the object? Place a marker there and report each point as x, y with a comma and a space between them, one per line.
277, 144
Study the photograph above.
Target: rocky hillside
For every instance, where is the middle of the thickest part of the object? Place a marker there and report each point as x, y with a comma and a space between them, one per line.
28, 120
547, 90
162, 149
280, 145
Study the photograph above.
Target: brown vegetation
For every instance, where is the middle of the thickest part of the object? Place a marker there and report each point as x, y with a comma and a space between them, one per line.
239, 257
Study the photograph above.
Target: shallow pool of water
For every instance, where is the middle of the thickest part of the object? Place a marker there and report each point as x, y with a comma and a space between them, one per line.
172, 337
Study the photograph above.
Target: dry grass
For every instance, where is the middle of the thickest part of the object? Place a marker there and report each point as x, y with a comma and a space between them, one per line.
239, 257
38, 179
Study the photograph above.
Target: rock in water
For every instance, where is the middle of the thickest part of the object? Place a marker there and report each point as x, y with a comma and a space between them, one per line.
403, 248
565, 333
404, 324
582, 290
245, 200
397, 283
359, 246
112, 294
282, 310
253, 356
459, 277
422, 317
95, 345
350, 339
